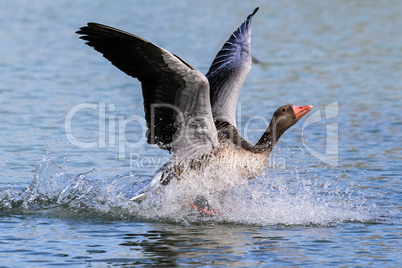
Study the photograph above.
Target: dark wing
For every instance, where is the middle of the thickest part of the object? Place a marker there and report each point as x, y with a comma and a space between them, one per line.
229, 71
176, 95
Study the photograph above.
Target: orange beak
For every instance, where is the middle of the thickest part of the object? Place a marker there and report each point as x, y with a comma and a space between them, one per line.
301, 110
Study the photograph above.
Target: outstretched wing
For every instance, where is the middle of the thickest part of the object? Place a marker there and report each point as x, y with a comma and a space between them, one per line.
176, 95
229, 71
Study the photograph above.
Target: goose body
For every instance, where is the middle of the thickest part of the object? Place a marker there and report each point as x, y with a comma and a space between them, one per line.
190, 114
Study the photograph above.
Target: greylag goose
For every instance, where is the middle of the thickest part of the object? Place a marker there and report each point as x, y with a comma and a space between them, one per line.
190, 114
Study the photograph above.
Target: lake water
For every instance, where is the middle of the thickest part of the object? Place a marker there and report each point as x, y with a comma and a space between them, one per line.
331, 195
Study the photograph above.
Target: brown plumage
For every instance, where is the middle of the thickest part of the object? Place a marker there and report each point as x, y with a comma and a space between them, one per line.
190, 114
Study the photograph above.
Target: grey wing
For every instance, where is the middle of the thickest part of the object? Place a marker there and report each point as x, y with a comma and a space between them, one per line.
229, 71
176, 95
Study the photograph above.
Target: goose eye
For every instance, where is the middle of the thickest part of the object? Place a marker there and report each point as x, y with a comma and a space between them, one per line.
283, 110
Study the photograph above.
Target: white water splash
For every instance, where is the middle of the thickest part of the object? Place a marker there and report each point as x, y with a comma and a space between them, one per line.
268, 200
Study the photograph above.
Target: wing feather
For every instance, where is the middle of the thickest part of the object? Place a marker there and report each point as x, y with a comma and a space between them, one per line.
175, 94
228, 72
